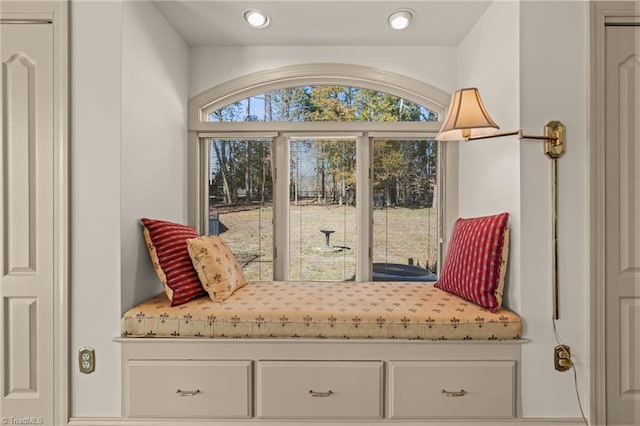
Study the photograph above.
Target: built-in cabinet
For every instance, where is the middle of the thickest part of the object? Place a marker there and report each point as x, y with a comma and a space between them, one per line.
189, 389
319, 389
307, 380
424, 389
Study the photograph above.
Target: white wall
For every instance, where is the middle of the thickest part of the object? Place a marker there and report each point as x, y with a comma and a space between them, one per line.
210, 66
96, 69
130, 84
153, 164
553, 86
510, 56
128, 161
489, 175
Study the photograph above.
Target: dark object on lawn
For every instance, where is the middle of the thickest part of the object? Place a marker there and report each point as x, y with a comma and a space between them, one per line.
215, 226
327, 234
399, 272
328, 248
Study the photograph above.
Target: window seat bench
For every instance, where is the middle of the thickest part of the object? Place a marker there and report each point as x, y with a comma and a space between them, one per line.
321, 353
326, 310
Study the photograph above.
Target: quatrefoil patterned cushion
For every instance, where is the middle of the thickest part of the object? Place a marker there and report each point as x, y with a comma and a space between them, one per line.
218, 270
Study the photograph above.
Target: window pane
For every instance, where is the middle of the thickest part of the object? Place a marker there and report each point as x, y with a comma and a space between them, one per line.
322, 211
323, 103
405, 216
240, 202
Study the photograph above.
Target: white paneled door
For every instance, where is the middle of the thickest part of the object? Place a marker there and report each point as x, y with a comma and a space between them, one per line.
27, 155
622, 222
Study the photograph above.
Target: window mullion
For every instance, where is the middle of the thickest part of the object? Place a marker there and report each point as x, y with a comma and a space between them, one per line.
448, 203
196, 176
281, 208
204, 193
364, 229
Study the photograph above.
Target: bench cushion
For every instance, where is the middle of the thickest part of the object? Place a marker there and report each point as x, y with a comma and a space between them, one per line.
400, 310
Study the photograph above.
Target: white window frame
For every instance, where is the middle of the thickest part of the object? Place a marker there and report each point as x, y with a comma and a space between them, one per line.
280, 132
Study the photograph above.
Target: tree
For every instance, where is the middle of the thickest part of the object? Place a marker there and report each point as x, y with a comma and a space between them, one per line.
220, 148
388, 164
404, 171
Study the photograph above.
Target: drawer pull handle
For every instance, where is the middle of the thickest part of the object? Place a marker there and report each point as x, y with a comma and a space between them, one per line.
461, 392
321, 394
187, 393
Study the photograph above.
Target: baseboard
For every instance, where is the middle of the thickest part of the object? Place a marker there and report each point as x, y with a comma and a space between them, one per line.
121, 421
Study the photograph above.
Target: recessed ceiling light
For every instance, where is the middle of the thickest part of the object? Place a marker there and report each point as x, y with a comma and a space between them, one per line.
256, 18
400, 19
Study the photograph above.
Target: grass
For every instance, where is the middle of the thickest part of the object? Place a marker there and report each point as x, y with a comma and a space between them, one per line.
400, 234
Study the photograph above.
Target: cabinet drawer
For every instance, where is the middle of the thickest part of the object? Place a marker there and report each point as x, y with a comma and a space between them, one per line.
188, 389
318, 389
452, 389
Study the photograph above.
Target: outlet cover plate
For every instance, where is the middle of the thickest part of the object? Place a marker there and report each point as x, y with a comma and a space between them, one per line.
562, 358
87, 360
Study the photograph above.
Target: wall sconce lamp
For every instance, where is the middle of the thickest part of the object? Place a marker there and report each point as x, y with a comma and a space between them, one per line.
467, 119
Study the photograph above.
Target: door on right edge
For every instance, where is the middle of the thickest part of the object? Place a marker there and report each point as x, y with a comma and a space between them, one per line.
622, 222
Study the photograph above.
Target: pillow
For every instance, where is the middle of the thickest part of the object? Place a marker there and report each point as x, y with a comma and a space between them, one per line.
167, 245
219, 271
476, 262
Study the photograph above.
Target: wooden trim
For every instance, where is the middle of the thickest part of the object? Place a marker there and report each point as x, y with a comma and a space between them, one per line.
61, 200
58, 13
111, 421
281, 160
597, 375
194, 179
622, 21
601, 13
428, 128
449, 195
317, 74
42, 16
237, 135
364, 221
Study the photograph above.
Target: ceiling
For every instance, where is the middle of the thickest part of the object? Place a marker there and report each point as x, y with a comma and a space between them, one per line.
322, 22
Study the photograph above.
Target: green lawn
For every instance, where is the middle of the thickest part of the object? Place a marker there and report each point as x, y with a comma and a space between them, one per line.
399, 234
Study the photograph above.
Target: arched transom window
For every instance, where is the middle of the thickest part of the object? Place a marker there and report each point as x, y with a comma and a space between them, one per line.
322, 182
323, 103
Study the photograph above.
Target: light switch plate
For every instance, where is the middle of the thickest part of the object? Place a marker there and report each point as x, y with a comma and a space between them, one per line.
87, 360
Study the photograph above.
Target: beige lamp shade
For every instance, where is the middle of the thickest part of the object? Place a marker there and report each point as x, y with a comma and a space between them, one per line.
466, 118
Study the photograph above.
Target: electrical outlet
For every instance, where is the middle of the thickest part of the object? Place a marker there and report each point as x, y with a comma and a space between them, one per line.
87, 360
562, 358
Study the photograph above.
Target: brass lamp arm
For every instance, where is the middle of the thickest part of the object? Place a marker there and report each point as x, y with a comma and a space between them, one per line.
544, 138
553, 138
514, 133
554, 147
494, 135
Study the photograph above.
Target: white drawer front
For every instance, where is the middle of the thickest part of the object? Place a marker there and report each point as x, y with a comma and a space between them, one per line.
319, 389
189, 389
471, 389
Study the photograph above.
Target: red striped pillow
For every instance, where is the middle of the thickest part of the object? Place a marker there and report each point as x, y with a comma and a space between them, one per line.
167, 244
476, 260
